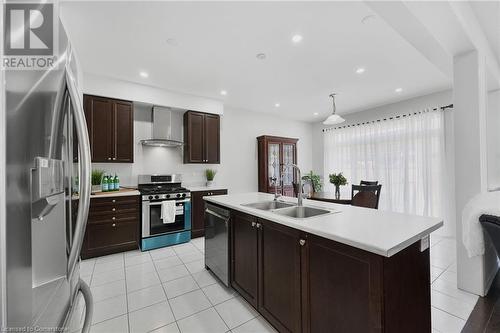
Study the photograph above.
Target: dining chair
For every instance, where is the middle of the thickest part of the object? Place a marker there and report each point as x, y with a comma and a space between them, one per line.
365, 195
368, 182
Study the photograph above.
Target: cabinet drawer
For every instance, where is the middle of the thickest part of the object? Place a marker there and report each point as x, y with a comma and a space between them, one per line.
124, 200
106, 236
112, 210
133, 217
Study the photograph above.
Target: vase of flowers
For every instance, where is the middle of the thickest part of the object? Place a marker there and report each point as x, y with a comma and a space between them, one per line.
337, 180
210, 175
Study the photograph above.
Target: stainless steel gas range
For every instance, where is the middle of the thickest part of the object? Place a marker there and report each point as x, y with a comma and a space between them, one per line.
156, 189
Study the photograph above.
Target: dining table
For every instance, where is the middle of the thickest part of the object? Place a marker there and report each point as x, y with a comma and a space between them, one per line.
329, 197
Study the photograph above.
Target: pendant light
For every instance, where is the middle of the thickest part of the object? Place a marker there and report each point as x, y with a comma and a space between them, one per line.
333, 119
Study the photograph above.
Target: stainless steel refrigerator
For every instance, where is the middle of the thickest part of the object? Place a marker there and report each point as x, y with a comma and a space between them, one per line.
45, 124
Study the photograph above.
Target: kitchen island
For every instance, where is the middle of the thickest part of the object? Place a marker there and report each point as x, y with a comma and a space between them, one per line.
349, 270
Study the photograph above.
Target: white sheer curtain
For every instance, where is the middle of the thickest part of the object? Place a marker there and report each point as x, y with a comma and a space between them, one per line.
406, 155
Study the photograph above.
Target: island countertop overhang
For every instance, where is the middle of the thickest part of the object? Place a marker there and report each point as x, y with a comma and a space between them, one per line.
376, 231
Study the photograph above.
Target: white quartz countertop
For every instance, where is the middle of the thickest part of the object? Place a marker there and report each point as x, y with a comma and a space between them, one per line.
380, 232
121, 193
199, 188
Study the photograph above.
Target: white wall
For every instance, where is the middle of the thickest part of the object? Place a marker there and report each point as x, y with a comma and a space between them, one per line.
238, 168
389, 110
110, 87
240, 128
493, 124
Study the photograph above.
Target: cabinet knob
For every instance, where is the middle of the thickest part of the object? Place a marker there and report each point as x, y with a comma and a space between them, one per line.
114, 225
258, 225
114, 158
302, 242
113, 200
109, 158
114, 209
253, 224
113, 218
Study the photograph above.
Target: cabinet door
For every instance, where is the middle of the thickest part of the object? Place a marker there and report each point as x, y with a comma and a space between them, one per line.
273, 163
198, 214
110, 237
193, 137
279, 267
244, 276
342, 288
212, 138
289, 157
123, 132
99, 113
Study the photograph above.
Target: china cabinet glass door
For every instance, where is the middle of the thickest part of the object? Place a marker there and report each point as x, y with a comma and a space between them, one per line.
273, 163
288, 158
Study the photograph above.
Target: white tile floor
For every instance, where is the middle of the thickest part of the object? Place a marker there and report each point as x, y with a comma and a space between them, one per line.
169, 290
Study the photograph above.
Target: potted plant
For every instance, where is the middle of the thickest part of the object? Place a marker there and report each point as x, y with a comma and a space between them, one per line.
210, 174
337, 180
315, 181
97, 175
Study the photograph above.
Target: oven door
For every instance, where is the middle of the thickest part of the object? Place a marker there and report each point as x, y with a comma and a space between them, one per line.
152, 224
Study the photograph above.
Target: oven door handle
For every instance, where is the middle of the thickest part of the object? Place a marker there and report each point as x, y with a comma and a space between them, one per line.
156, 203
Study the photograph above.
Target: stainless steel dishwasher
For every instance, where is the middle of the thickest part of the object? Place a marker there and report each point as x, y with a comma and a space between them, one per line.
217, 241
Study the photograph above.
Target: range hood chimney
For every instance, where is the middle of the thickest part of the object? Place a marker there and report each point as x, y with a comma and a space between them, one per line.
165, 132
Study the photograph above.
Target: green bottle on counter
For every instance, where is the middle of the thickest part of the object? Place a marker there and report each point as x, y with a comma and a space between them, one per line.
111, 183
116, 182
105, 184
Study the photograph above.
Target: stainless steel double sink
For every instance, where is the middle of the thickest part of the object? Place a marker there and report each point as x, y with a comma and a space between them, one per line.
288, 209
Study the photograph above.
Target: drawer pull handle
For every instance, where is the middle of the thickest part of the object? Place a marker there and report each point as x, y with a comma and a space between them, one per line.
113, 218
302, 242
114, 224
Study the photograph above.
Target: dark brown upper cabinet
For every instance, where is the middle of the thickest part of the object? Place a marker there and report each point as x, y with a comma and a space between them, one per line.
201, 138
110, 124
274, 153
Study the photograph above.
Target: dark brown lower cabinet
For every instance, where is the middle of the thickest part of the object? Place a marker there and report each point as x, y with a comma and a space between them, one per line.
198, 211
244, 256
112, 226
305, 283
279, 276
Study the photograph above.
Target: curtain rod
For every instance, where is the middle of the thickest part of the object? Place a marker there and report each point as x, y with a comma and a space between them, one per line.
442, 108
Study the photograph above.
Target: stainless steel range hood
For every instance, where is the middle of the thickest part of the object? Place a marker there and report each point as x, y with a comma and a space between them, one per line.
166, 130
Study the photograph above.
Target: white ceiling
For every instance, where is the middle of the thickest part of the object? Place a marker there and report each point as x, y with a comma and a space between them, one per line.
488, 16
217, 43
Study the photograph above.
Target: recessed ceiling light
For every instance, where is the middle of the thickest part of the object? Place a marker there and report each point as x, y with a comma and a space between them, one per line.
261, 56
296, 38
398, 90
277, 105
315, 114
360, 70
172, 41
223, 92
143, 74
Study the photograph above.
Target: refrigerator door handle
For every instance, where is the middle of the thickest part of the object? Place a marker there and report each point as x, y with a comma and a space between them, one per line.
89, 305
85, 167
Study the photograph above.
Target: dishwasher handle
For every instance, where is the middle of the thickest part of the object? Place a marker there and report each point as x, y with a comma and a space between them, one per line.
211, 212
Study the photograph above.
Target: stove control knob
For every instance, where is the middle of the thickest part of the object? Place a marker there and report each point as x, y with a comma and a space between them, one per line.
150, 197
157, 197
178, 195
183, 195
168, 196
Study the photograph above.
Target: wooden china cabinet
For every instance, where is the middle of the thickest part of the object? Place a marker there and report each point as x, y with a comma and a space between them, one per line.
275, 153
